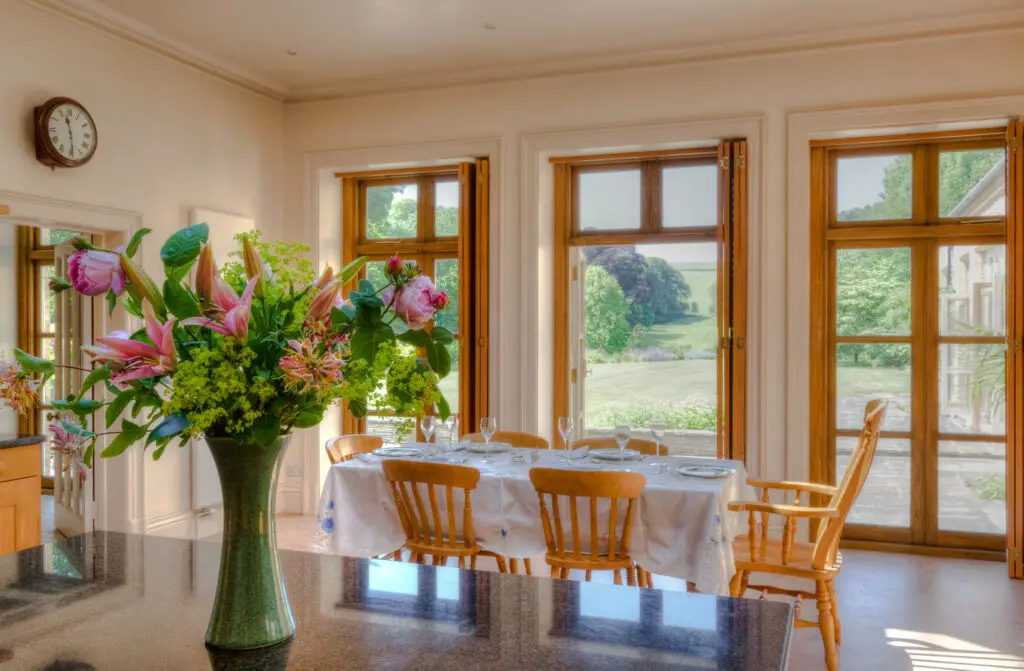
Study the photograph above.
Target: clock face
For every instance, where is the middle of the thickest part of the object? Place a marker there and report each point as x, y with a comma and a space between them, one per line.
71, 132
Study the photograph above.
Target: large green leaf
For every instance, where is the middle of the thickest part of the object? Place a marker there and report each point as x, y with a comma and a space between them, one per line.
180, 301
76, 430
87, 455
133, 244
339, 318
366, 340
172, 426
357, 407
351, 270
417, 338
111, 302
443, 410
366, 287
97, 375
309, 416
266, 430
33, 364
184, 245
130, 433
118, 405
442, 335
439, 359
79, 406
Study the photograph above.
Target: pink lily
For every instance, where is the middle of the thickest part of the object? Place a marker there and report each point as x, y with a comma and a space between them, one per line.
134, 359
235, 320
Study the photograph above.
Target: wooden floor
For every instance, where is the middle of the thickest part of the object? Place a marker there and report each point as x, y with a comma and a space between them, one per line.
899, 612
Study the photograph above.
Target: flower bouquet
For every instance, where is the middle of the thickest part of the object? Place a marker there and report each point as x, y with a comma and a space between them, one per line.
241, 357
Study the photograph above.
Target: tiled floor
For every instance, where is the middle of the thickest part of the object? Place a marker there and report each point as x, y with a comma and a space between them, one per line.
899, 612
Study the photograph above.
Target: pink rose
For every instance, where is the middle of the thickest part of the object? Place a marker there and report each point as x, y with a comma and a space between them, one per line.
440, 300
414, 302
94, 272
394, 266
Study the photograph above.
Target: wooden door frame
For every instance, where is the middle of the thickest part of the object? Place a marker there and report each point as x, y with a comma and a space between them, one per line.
924, 232
729, 234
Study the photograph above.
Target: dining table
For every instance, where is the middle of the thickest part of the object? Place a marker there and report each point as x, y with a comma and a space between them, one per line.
681, 526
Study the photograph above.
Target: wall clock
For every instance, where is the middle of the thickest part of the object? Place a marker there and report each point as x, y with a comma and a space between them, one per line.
65, 134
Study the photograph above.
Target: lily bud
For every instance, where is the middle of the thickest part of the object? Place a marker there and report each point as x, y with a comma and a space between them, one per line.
256, 267
206, 273
324, 279
322, 303
144, 286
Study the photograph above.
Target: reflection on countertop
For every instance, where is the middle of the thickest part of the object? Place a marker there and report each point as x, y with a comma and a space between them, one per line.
115, 601
18, 440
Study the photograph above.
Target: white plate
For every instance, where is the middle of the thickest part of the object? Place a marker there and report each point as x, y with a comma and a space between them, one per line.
482, 448
613, 454
398, 451
711, 472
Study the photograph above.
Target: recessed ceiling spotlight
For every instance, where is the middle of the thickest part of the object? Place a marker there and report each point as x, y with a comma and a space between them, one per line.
490, 26
291, 52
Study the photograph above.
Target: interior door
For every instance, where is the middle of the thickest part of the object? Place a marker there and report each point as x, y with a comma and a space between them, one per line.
578, 339
73, 484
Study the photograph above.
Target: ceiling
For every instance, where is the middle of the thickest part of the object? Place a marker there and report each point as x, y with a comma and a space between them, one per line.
354, 47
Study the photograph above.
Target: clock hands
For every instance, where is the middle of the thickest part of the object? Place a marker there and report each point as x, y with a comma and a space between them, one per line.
71, 136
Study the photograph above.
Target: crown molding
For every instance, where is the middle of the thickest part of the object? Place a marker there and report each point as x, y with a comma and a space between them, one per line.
99, 17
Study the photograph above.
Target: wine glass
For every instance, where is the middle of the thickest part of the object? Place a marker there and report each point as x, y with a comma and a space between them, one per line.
451, 444
622, 438
428, 426
565, 429
658, 432
488, 425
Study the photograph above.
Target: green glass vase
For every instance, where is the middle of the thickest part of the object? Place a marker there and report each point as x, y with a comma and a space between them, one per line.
250, 609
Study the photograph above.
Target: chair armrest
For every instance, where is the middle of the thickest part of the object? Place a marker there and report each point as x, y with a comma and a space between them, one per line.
812, 487
781, 509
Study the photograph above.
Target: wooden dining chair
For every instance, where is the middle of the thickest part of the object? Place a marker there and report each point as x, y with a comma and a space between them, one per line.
513, 438
819, 561
591, 487
641, 445
417, 487
344, 448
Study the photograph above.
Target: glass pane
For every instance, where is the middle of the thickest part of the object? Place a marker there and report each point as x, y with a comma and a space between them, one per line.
393, 577
972, 390
391, 211
885, 499
972, 487
871, 371
56, 236
446, 274
447, 585
394, 430
651, 340
972, 290
375, 273
446, 209
46, 392
874, 188
972, 183
689, 196
608, 603
48, 299
873, 291
609, 200
49, 349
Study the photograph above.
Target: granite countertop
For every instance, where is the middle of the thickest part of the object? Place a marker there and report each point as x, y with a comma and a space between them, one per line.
112, 601
9, 440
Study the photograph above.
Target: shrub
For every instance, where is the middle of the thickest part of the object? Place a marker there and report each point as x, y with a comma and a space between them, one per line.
990, 487
693, 414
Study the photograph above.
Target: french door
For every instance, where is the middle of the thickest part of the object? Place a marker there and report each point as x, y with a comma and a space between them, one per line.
910, 299
649, 301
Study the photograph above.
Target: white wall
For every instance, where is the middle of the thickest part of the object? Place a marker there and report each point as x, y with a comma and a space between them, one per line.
169, 139
8, 314
513, 114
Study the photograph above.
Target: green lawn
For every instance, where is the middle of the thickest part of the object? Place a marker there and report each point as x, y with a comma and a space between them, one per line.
657, 382
699, 277
860, 381
699, 332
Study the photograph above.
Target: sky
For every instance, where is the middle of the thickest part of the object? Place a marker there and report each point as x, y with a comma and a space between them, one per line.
859, 181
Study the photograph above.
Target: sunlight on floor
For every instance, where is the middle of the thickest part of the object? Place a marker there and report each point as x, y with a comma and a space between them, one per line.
939, 652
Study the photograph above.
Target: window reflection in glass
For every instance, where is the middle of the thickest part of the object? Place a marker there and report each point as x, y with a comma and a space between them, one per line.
393, 577
609, 602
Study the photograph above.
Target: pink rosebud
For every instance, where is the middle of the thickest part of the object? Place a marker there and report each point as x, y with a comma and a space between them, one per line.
439, 300
413, 302
394, 266
94, 272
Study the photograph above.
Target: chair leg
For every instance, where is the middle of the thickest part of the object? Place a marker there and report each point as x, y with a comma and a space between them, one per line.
528, 567
554, 571
502, 566
618, 576
631, 576
589, 572
835, 612
414, 558
439, 560
462, 562
564, 573
472, 562
650, 578
513, 565
827, 625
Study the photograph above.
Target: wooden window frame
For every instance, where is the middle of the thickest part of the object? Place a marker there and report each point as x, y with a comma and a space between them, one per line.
469, 248
924, 233
729, 234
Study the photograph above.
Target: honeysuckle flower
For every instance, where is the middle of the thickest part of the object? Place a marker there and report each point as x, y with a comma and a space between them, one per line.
394, 266
134, 359
62, 440
206, 274
309, 366
143, 285
232, 315
414, 301
94, 272
18, 390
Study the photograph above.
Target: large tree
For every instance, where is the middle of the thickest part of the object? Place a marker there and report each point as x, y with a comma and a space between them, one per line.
656, 291
606, 326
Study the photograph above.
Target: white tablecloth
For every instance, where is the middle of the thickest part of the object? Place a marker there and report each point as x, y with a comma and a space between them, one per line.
682, 528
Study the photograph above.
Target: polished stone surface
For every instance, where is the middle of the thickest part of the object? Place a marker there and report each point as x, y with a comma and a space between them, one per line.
110, 601
17, 440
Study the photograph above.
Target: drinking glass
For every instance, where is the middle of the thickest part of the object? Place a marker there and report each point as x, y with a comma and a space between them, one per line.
427, 425
565, 428
488, 425
658, 431
622, 438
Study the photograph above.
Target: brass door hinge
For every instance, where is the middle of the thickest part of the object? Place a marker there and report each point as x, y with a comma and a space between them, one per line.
575, 273
572, 376
741, 162
724, 162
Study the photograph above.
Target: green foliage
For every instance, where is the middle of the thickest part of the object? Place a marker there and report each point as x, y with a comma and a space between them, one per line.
183, 247
873, 298
655, 290
960, 171
990, 487
694, 414
607, 327
287, 261
446, 220
389, 218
